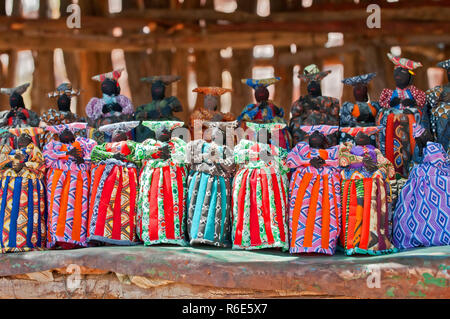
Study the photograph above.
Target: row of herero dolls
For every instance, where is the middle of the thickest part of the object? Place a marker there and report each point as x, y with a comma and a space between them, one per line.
368, 177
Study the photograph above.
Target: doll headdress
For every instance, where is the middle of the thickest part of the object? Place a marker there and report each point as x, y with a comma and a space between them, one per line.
73, 127
404, 63
254, 84
312, 73
353, 131
19, 89
113, 75
65, 88
211, 90
155, 125
418, 130
444, 64
265, 126
116, 128
324, 129
165, 79
359, 79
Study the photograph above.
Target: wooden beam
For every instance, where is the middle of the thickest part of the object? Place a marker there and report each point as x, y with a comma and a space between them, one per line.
101, 43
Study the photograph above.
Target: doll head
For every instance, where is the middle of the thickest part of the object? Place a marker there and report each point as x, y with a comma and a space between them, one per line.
67, 137
402, 77
318, 140
110, 87
211, 102
362, 139
261, 94
16, 101
422, 136
158, 90
24, 140
360, 93
314, 88
162, 134
64, 103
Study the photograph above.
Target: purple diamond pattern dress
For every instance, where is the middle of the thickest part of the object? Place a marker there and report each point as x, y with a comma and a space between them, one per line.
422, 214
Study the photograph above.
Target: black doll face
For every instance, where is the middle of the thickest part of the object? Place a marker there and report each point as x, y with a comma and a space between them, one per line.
314, 88
362, 139
318, 140
66, 137
119, 136
24, 140
360, 93
110, 87
261, 94
210, 102
402, 77
16, 101
64, 103
158, 90
163, 134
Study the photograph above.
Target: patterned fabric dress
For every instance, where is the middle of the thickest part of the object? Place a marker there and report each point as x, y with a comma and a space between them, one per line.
209, 193
266, 113
94, 111
113, 198
422, 214
396, 140
366, 209
160, 110
22, 200
30, 118
259, 197
55, 117
309, 110
162, 193
356, 115
68, 193
315, 201
439, 102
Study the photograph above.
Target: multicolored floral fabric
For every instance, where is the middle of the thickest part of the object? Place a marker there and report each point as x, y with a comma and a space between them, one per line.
438, 100
309, 110
396, 138
55, 117
266, 113
259, 197
68, 193
156, 110
314, 201
113, 198
366, 210
422, 213
22, 199
209, 193
162, 193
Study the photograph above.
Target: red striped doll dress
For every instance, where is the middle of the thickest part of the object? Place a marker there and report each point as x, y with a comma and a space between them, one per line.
314, 201
67, 189
162, 189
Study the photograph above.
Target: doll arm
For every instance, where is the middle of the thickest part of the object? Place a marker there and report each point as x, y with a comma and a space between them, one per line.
419, 96
346, 114
146, 150
94, 108
126, 104
36, 160
5, 157
385, 98
99, 153
298, 156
